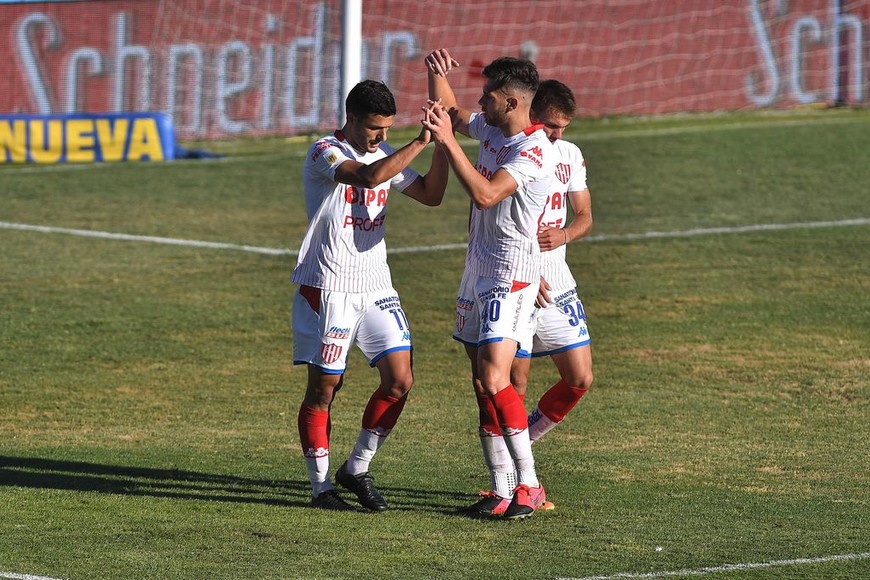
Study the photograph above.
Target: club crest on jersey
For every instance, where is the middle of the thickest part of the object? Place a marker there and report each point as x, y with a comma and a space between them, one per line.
330, 352
502, 154
460, 322
563, 172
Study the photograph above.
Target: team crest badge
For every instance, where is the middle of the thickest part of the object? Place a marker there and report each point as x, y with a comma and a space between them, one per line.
330, 352
502, 154
460, 322
563, 172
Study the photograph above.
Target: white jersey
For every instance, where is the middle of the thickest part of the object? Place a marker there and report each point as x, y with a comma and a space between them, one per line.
344, 248
502, 241
570, 176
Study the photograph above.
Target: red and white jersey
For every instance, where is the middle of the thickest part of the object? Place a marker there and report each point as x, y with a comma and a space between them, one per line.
570, 176
344, 246
502, 240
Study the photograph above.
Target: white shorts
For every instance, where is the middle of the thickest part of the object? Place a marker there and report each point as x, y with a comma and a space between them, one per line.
561, 325
508, 311
327, 323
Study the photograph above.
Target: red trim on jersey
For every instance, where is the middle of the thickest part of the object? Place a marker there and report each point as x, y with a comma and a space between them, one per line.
517, 285
529, 130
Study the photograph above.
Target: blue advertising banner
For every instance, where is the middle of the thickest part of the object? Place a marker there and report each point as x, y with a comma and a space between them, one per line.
86, 138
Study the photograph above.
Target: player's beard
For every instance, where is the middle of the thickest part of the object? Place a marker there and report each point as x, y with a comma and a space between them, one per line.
494, 118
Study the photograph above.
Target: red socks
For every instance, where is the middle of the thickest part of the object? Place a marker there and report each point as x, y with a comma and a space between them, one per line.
313, 431
559, 400
382, 411
488, 417
510, 410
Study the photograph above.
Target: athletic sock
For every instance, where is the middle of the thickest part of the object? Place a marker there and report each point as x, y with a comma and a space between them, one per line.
554, 405
514, 425
380, 416
313, 428
497, 456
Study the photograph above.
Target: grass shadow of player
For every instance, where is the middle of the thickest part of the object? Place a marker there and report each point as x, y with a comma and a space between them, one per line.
41, 473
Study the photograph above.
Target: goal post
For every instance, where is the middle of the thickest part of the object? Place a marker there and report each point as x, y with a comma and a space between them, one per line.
351, 53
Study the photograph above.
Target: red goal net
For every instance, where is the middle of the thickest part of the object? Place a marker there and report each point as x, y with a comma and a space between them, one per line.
224, 68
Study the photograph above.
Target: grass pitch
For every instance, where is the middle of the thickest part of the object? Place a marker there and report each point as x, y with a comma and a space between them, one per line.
148, 402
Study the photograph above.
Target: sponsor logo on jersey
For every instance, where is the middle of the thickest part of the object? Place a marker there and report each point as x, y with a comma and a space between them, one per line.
366, 197
391, 303
534, 155
492, 293
563, 172
464, 303
319, 148
337, 333
484, 171
365, 224
330, 352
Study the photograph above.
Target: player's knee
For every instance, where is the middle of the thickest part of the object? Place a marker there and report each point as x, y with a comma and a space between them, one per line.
586, 380
399, 386
580, 380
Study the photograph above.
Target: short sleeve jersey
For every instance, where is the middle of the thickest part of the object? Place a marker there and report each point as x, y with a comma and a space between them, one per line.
503, 239
344, 248
570, 175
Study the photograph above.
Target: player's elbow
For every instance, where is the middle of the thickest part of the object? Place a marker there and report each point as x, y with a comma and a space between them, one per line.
369, 182
484, 203
432, 201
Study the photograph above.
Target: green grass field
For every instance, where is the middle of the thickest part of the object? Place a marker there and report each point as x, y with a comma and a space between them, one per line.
148, 402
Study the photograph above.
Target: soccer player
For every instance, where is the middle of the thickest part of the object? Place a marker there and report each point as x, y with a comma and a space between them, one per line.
560, 324
345, 293
495, 305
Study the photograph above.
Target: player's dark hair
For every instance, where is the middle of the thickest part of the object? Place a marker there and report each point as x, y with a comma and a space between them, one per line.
553, 95
370, 98
512, 73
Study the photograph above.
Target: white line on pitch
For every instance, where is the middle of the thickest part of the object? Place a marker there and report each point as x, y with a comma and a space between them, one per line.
14, 576
727, 568
434, 248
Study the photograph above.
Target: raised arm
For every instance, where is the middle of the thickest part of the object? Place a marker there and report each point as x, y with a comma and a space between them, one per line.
484, 192
439, 63
353, 172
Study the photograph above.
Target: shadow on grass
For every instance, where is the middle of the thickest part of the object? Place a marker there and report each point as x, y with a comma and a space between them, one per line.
38, 473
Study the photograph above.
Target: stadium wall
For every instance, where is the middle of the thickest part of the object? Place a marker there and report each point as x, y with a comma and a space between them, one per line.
225, 68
